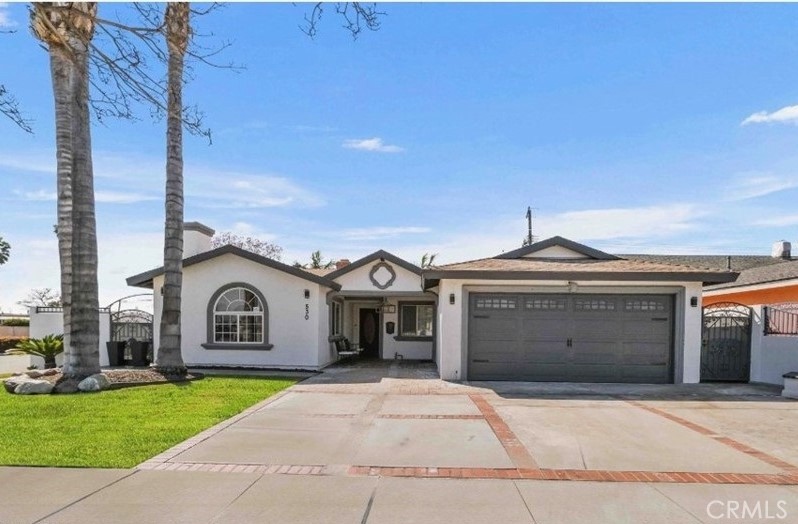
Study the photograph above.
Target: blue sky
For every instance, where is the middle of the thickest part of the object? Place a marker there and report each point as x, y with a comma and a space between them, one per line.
622, 125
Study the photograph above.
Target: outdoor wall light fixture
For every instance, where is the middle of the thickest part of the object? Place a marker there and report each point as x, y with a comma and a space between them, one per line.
307, 294
693, 301
451, 298
573, 287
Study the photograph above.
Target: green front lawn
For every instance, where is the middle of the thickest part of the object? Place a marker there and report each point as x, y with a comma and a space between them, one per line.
120, 428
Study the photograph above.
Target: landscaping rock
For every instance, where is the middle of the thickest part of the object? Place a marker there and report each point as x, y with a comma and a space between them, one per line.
66, 385
51, 371
96, 382
34, 373
11, 383
33, 387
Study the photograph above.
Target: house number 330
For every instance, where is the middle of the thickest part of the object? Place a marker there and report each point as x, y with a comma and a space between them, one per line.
307, 311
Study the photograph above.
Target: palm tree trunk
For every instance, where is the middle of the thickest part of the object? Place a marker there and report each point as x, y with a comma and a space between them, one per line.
169, 358
62, 72
84, 357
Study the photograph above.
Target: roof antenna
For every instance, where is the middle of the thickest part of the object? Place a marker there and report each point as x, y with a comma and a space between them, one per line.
530, 238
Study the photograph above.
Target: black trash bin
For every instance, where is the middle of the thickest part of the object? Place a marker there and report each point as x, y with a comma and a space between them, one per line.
116, 353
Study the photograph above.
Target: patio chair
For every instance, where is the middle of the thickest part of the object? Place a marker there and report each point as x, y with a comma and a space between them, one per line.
344, 347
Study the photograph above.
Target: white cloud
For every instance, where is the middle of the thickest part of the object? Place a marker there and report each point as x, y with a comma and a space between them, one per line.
40, 195
122, 197
250, 230
788, 114
300, 128
377, 233
755, 185
34, 263
634, 222
5, 17
371, 144
102, 197
778, 221
37, 162
238, 190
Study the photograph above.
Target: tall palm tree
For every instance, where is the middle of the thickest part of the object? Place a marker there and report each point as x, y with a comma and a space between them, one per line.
428, 260
317, 261
5, 251
177, 26
66, 28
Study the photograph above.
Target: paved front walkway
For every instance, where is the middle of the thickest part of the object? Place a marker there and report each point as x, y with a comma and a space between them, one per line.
390, 442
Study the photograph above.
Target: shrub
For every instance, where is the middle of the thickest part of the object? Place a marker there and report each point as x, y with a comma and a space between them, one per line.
47, 347
15, 322
10, 342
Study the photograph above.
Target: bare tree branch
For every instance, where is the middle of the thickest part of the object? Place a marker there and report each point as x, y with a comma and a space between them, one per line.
10, 108
357, 16
124, 54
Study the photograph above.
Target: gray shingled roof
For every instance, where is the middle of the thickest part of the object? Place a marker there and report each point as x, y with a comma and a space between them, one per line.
145, 279
733, 262
786, 270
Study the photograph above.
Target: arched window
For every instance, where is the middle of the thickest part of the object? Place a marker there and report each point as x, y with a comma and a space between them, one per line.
237, 316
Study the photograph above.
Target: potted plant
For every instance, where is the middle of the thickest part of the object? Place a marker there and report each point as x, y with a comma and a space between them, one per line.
116, 352
138, 352
47, 347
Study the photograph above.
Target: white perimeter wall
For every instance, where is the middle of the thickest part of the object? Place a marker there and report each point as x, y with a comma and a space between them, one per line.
452, 334
52, 323
298, 343
771, 356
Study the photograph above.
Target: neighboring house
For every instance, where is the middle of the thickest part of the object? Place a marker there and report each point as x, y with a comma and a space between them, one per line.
556, 311
762, 280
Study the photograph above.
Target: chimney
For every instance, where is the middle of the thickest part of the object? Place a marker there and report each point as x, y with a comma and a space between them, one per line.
781, 249
342, 263
196, 238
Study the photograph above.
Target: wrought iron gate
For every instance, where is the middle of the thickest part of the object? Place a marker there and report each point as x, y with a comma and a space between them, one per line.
726, 343
131, 323
128, 320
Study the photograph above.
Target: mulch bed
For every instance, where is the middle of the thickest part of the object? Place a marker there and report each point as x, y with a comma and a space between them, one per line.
121, 378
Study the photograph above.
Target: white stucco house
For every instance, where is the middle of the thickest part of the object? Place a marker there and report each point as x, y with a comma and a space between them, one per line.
552, 311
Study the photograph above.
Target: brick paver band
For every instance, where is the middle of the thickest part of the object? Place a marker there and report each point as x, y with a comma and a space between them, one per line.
515, 449
682, 477
738, 446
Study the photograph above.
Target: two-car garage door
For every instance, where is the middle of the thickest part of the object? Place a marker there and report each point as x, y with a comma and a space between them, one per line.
571, 338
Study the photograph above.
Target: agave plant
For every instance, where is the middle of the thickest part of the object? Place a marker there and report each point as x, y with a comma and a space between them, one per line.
47, 347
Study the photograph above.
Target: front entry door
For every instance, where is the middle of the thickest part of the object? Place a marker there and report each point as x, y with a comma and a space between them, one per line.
370, 333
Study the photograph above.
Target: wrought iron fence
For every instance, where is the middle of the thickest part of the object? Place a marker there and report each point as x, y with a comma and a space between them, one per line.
780, 319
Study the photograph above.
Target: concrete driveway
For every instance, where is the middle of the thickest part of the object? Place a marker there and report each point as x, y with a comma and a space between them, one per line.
385, 443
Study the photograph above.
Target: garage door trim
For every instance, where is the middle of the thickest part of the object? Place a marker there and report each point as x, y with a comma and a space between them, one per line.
572, 365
